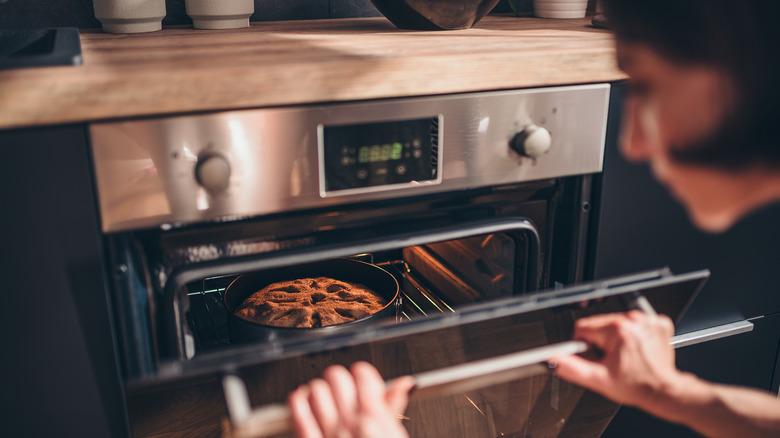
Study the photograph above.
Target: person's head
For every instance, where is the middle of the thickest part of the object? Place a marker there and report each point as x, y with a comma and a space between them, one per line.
705, 104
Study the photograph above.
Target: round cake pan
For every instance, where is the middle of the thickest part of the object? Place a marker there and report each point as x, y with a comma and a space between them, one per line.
353, 271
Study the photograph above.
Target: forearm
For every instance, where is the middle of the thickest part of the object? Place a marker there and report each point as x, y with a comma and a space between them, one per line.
716, 410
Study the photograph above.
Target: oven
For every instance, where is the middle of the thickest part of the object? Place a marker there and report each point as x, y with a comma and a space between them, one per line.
479, 207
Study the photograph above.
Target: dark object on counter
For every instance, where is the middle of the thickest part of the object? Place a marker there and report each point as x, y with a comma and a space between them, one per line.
40, 47
600, 21
434, 14
353, 271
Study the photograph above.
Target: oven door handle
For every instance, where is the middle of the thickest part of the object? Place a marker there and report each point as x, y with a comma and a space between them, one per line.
275, 418
712, 333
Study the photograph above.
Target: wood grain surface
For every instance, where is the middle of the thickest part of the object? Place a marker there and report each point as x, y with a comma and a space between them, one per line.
180, 70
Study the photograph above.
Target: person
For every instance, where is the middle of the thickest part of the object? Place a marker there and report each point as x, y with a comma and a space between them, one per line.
703, 113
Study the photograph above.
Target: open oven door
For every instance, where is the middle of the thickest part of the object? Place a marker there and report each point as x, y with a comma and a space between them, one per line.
480, 372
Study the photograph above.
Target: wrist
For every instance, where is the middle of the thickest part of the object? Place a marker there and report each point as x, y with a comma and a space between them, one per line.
669, 398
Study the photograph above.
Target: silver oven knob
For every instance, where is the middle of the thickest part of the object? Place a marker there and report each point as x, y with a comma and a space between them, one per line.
213, 173
533, 141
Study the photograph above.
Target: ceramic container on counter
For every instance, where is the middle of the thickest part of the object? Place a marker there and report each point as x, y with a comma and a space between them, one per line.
219, 14
129, 16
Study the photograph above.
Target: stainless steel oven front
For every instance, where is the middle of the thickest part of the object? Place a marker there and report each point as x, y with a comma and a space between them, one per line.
474, 203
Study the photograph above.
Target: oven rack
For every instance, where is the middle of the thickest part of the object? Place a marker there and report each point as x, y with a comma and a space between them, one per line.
207, 317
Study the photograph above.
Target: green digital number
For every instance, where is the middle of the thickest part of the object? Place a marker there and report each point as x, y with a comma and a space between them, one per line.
395, 154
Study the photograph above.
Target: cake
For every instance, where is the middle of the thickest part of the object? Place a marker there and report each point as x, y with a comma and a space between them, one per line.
310, 302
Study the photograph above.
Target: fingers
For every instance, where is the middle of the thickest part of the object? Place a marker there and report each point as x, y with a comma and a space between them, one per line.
397, 395
370, 388
305, 424
344, 393
349, 403
323, 406
580, 371
606, 331
599, 330
636, 355
666, 324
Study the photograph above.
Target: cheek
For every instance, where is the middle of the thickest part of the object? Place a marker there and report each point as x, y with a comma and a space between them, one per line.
644, 137
691, 108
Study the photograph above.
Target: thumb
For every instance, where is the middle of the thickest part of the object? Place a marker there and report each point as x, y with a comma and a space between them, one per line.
580, 371
397, 395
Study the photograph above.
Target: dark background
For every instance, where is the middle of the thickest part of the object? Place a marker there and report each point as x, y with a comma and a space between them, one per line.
79, 13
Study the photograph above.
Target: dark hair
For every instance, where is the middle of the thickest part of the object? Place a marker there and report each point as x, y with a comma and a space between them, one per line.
739, 37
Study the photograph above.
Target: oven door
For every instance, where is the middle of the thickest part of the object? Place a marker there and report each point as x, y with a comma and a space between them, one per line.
519, 399
479, 373
430, 332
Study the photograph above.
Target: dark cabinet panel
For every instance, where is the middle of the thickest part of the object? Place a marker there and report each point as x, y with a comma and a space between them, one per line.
58, 357
80, 13
641, 227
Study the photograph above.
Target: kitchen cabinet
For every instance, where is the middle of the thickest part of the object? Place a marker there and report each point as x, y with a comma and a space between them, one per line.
59, 360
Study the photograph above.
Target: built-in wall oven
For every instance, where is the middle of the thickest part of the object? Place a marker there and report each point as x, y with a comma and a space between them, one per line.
479, 208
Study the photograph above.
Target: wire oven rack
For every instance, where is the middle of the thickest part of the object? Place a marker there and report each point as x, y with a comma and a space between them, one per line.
207, 316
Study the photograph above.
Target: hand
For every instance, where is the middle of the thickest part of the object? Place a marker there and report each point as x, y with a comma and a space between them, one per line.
351, 403
637, 363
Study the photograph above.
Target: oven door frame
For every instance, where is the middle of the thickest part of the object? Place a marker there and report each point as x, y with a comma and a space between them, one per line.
173, 314
656, 285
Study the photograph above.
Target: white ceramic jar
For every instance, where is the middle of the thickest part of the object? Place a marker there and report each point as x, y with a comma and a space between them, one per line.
129, 16
219, 14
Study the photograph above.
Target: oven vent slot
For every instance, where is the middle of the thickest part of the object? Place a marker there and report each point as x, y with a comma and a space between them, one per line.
434, 146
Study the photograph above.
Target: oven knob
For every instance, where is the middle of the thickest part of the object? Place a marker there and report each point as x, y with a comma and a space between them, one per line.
533, 141
213, 173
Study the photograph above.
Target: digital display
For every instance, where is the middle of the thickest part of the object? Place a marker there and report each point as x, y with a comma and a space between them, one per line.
369, 155
380, 152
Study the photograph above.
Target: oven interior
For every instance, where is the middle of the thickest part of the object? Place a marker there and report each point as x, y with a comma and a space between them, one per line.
454, 251
433, 278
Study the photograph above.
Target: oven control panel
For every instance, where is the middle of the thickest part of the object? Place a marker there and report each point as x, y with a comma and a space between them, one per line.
366, 157
221, 166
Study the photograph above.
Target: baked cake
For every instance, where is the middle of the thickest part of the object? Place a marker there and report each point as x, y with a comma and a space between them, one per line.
310, 302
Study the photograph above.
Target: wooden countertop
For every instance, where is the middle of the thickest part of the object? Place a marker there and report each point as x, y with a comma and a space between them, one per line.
183, 70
